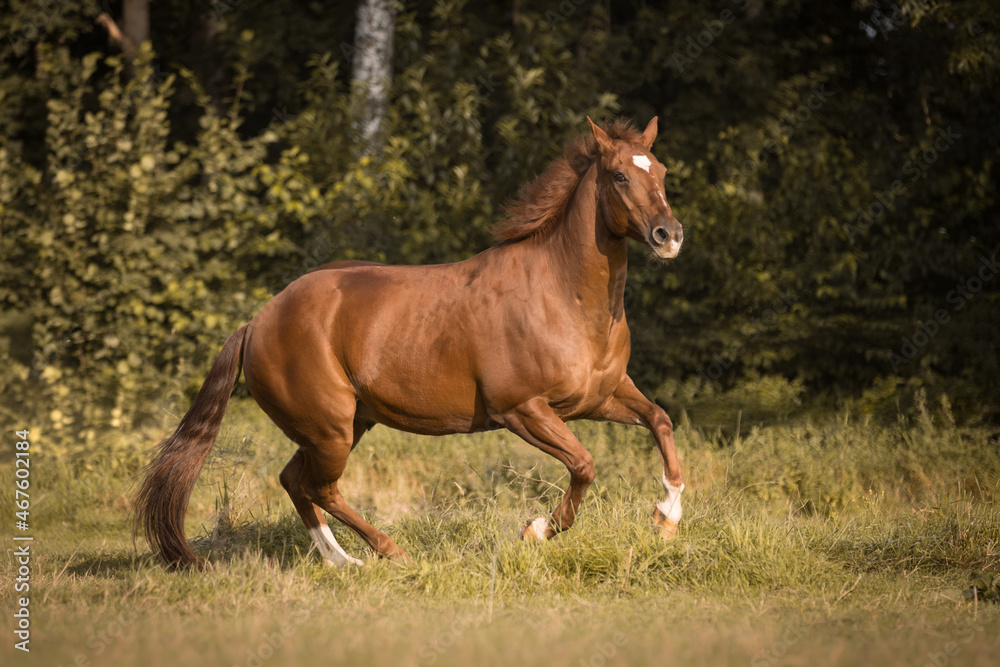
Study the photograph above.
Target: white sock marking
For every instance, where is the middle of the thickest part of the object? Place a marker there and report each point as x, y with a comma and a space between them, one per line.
538, 527
330, 549
671, 507
642, 162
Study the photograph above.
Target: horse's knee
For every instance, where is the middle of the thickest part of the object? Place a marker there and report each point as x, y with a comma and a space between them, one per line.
582, 471
662, 421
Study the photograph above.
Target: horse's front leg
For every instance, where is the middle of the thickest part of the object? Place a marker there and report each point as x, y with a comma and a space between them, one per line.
628, 406
538, 424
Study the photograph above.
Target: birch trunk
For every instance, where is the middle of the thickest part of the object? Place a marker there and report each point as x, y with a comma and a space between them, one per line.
135, 23
372, 75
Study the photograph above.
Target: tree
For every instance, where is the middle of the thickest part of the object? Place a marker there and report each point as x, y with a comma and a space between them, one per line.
135, 19
785, 128
372, 78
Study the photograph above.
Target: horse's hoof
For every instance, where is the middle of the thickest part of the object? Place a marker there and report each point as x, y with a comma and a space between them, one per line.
347, 561
664, 526
535, 531
401, 556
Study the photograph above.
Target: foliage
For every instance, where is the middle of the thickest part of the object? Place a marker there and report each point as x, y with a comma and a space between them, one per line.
834, 166
127, 256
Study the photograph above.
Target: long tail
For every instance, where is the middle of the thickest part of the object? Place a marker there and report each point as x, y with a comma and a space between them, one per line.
162, 501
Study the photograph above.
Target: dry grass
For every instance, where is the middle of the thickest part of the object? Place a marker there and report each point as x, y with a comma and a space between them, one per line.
810, 543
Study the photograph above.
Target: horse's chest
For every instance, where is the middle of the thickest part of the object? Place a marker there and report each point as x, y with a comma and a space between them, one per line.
592, 372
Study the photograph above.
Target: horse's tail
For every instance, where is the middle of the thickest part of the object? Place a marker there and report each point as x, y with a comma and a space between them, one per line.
162, 501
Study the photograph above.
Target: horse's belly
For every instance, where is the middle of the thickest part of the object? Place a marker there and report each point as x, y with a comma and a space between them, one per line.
413, 392
437, 408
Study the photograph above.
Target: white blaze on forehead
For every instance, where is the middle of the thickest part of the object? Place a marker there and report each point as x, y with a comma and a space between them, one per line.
642, 162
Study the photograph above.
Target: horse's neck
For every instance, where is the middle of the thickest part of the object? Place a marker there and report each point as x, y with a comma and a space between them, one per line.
591, 262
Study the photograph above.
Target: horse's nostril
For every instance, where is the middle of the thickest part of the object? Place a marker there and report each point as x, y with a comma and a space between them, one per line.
660, 235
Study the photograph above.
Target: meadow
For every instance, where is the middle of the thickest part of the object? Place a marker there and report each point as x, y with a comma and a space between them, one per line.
806, 540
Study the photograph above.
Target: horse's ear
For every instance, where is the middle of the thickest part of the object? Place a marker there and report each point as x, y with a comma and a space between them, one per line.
649, 135
603, 140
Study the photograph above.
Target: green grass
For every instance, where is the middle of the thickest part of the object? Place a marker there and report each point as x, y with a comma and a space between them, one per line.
834, 541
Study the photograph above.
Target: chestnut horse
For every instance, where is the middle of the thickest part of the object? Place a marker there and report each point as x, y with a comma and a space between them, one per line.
526, 336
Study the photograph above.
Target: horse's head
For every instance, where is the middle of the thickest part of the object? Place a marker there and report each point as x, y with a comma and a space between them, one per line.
630, 183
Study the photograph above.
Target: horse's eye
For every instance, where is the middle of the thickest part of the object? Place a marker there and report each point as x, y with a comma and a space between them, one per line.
620, 177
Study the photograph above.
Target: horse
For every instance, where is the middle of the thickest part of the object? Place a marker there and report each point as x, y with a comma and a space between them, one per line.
526, 335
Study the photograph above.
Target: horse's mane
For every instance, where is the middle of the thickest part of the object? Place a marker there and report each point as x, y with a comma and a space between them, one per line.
541, 204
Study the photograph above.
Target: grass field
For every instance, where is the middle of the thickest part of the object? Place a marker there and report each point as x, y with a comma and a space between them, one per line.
805, 542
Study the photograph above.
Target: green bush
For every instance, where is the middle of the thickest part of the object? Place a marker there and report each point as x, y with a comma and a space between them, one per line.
128, 256
143, 215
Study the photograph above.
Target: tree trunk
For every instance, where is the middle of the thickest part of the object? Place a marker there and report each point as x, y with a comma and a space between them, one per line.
135, 27
135, 16
372, 74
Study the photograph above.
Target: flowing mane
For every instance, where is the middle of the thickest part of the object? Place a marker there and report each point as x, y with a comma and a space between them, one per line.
542, 203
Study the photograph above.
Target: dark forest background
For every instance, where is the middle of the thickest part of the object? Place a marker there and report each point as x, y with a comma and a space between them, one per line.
834, 165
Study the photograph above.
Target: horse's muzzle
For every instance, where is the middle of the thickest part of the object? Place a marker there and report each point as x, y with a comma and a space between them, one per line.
666, 238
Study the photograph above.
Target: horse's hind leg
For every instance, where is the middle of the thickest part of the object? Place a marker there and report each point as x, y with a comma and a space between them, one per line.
311, 479
333, 502
293, 479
